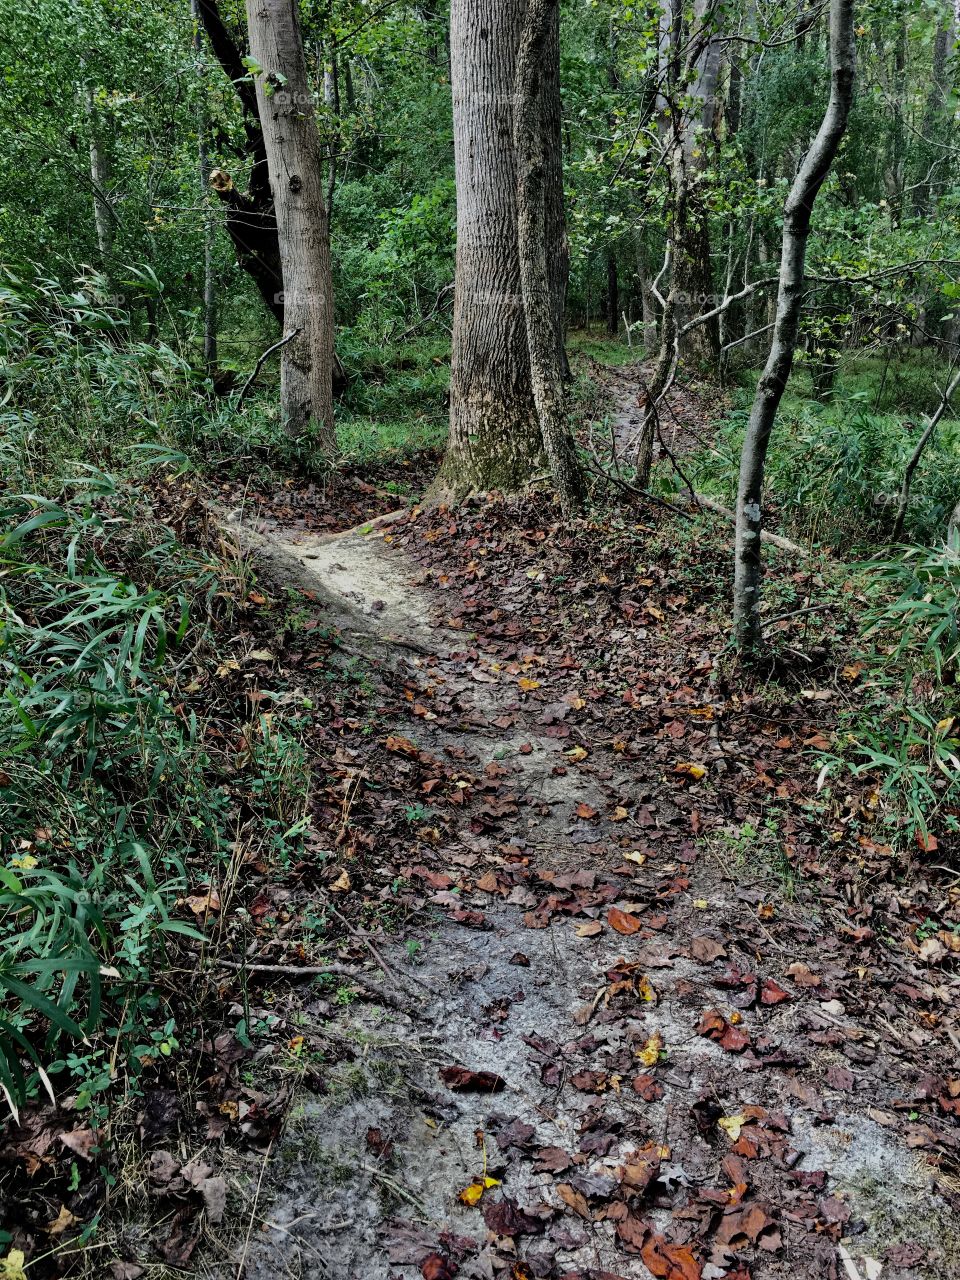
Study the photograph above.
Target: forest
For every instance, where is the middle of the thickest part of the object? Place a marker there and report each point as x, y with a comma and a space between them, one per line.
480, 639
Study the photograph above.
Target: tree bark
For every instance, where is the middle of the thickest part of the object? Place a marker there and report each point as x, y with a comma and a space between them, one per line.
613, 295
797, 215
533, 140
99, 178
495, 440
292, 143
209, 234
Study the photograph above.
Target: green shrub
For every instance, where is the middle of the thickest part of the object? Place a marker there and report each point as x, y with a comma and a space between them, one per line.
98, 765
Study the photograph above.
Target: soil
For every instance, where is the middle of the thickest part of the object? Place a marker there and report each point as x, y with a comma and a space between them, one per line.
653, 1104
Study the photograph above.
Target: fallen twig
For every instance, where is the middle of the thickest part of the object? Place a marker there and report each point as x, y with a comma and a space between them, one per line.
638, 492
316, 971
774, 539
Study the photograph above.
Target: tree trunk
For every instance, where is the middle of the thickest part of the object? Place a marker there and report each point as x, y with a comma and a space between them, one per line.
533, 139
209, 233
99, 178
613, 295
495, 440
797, 215
692, 267
292, 143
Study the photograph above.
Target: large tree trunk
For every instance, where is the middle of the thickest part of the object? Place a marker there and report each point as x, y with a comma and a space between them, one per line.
495, 440
292, 142
533, 143
797, 215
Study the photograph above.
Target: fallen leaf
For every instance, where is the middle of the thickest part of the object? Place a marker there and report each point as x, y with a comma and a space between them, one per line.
473, 1194
574, 1200
200, 904
11, 1267
706, 949
589, 929
63, 1221
437, 1267
585, 811
342, 884
691, 770
731, 1125
623, 921
462, 1080
649, 1054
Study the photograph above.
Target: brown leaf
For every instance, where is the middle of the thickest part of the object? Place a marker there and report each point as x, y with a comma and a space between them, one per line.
715, 1027
585, 811
574, 1200
707, 949
668, 1261
80, 1141
436, 1267
505, 1218
463, 1080
402, 746
62, 1222
772, 993
648, 1088
623, 921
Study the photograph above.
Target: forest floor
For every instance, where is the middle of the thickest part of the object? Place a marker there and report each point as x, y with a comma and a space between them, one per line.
629, 997
635, 984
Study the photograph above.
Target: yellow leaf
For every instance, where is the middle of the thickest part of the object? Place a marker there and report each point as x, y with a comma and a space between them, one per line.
341, 884
634, 855
577, 753
731, 1125
473, 1194
11, 1267
620, 814
701, 904
649, 1055
25, 862
526, 684
645, 990
691, 770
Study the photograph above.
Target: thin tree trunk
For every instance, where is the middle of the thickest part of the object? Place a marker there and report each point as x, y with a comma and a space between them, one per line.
532, 141
797, 216
209, 232
99, 179
613, 295
292, 142
925, 437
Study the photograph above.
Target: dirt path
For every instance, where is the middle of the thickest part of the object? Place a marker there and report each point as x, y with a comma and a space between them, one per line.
670, 1090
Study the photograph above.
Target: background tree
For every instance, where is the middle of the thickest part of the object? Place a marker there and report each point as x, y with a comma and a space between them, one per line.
292, 144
